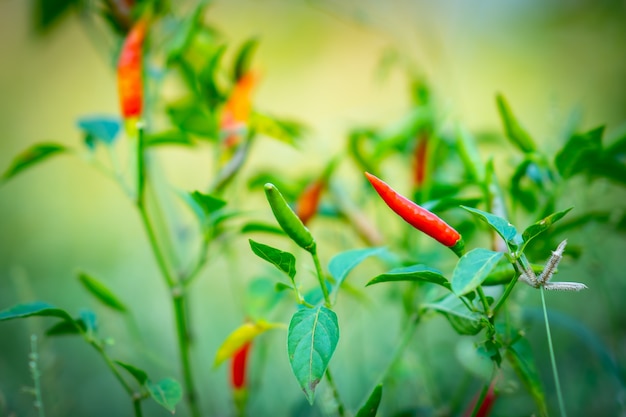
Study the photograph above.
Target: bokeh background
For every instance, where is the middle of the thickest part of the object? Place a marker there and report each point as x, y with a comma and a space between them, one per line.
559, 63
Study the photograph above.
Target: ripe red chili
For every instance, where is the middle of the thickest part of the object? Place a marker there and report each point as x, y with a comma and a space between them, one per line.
129, 71
485, 407
417, 216
239, 366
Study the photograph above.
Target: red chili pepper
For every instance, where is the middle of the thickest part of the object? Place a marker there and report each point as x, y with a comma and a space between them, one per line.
237, 109
129, 71
419, 159
417, 216
485, 406
239, 366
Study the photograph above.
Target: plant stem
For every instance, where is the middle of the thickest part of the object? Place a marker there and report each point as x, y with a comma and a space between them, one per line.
341, 409
321, 279
34, 370
483, 300
177, 292
552, 357
137, 406
405, 338
182, 331
507, 291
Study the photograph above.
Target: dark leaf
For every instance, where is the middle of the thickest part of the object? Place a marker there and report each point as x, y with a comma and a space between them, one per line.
32, 156
140, 375
282, 260
516, 133
418, 272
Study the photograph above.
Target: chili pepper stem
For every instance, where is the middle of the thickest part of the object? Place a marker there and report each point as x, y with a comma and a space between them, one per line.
182, 332
555, 372
320, 277
484, 301
341, 409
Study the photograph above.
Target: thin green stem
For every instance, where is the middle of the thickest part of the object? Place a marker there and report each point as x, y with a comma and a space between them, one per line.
405, 339
552, 357
129, 390
182, 331
507, 291
341, 409
34, 370
483, 300
178, 295
321, 279
137, 406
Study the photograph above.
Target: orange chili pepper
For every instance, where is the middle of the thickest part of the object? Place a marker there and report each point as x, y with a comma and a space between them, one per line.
129, 71
237, 109
309, 200
419, 160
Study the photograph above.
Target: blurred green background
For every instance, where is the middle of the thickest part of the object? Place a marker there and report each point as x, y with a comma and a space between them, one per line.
559, 63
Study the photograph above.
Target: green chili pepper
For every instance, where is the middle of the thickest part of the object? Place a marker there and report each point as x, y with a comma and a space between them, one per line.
288, 220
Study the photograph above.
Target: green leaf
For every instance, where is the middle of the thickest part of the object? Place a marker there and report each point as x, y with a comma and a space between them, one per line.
140, 375
37, 308
472, 269
579, 153
257, 227
341, 264
282, 260
65, 327
189, 116
101, 292
207, 203
243, 58
541, 226
417, 272
286, 131
443, 204
370, 407
100, 128
32, 156
521, 359
460, 317
49, 12
167, 392
311, 341
516, 133
90, 321
500, 225
168, 137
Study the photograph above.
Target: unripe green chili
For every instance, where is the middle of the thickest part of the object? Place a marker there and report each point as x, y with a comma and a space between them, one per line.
288, 220
417, 216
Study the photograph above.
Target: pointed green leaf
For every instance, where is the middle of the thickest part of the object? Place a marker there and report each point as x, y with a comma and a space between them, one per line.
311, 341
65, 328
100, 128
37, 308
101, 292
286, 131
282, 260
541, 226
500, 225
462, 320
417, 272
516, 133
472, 269
32, 156
243, 58
370, 407
521, 359
240, 336
208, 203
167, 392
253, 227
140, 375
579, 153
341, 264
